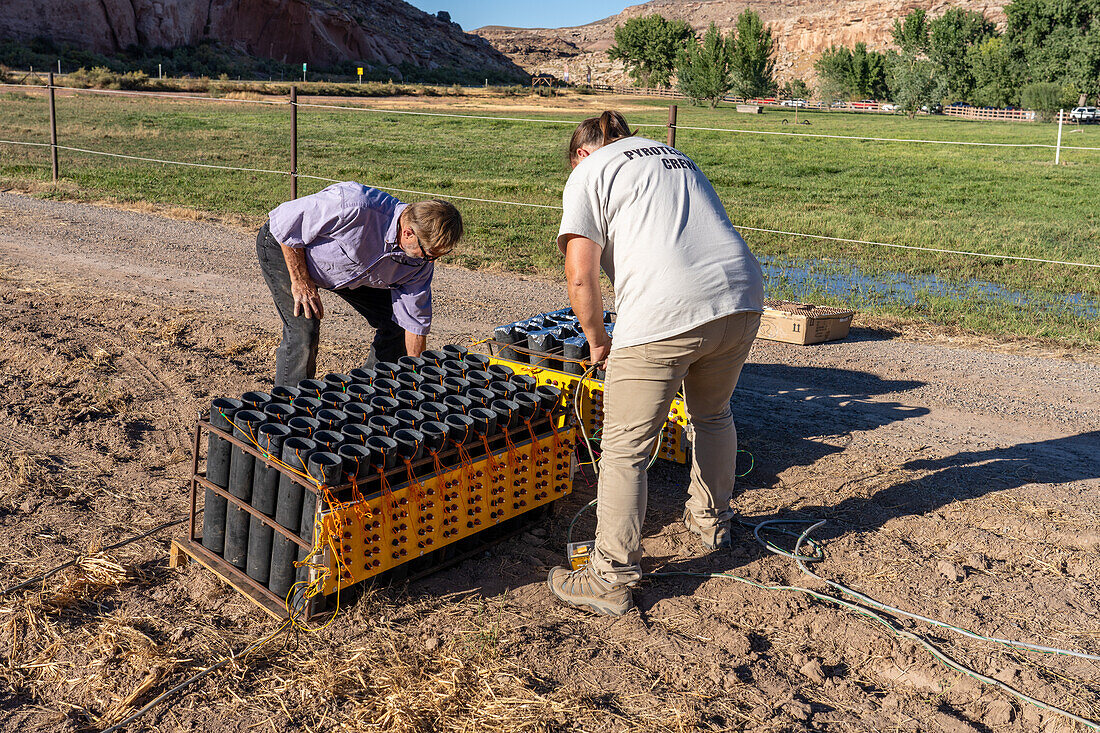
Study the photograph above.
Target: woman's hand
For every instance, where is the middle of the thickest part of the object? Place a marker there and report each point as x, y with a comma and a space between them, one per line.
599, 352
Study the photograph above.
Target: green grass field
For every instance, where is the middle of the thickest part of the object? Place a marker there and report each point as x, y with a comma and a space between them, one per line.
993, 200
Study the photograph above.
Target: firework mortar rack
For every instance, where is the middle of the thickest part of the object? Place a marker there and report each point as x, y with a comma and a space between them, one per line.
551, 349
383, 474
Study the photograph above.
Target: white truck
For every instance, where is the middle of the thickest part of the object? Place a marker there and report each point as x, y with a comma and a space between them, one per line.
1084, 114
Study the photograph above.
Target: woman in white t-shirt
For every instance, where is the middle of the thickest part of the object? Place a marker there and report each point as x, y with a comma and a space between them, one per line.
688, 297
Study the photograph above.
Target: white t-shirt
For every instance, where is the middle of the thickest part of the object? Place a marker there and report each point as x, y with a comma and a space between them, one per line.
668, 247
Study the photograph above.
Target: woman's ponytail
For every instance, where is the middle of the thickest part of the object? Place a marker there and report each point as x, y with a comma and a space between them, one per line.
599, 131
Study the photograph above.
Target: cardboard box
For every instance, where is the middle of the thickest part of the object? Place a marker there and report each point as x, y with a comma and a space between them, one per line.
803, 323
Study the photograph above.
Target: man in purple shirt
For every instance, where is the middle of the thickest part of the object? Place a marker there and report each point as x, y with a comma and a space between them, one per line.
367, 247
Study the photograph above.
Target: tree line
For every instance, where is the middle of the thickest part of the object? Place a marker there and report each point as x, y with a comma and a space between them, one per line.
1047, 57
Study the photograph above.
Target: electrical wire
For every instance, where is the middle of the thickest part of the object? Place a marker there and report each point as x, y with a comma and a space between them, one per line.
448, 114
49, 573
880, 139
819, 555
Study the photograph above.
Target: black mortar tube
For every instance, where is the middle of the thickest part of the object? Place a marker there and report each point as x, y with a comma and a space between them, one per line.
279, 412
307, 405
255, 400
455, 352
503, 390
288, 513
265, 491
433, 391
246, 423
312, 387
217, 472
432, 374
411, 363
435, 435
282, 393
358, 413
525, 382
434, 356
387, 369
479, 396
355, 433
303, 426
458, 403
338, 382
362, 375
475, 360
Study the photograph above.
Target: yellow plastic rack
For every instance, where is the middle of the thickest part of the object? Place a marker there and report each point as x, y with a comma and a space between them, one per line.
675, 442
423, 514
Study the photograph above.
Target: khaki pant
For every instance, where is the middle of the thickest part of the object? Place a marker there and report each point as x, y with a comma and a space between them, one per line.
641, 383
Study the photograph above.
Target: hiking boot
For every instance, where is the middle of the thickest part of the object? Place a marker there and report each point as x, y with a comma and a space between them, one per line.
713, 538
581, 588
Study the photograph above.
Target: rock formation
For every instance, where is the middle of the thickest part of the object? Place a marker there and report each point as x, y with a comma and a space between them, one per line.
322, 33
803, 29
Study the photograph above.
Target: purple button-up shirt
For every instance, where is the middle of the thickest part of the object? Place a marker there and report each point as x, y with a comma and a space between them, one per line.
349, 232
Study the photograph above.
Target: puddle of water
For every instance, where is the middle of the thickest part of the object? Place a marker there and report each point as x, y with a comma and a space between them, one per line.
850, 284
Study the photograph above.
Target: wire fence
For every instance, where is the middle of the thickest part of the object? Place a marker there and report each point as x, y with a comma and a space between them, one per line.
294, 104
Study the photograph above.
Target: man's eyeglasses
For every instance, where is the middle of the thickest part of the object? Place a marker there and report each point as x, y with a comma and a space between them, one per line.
424, 253
405, 259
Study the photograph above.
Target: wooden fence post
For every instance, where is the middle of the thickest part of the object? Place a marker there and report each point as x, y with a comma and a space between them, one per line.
672, 125
293, 142
53, 128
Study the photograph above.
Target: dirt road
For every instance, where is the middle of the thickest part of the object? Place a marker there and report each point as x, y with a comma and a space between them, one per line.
958, 481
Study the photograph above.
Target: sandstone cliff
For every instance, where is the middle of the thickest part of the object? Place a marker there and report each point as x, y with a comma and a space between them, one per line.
319, 32
803, 29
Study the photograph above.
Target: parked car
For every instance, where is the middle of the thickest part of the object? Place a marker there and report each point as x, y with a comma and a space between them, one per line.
1084, 114
889, 108
838, 105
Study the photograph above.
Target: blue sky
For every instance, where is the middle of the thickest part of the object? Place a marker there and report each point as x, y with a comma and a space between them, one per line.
472, 14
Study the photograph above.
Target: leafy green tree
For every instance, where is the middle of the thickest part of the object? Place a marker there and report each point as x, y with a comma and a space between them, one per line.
1044, 97
796, 89
852, 73
915, 83
912, 34
648, 46
753, 57
1058, 41
704, 70
996, 74
951, 37
869, 73
834, 73
915, 80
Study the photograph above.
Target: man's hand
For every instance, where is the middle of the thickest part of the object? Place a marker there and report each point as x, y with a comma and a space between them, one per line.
307, 301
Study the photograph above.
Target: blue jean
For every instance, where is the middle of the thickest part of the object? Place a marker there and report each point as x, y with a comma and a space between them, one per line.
296, 356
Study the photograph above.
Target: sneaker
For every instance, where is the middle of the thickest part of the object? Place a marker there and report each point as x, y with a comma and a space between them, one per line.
718, 536
582, 589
